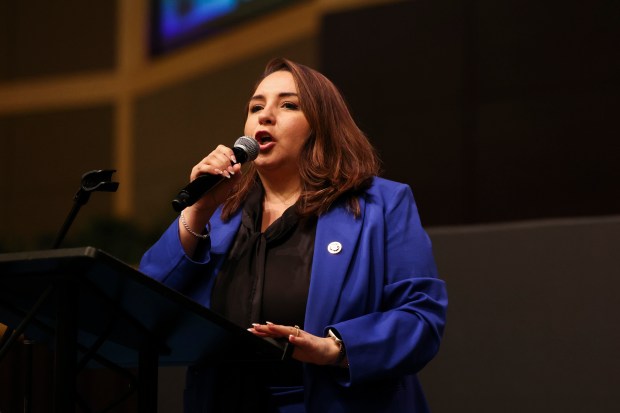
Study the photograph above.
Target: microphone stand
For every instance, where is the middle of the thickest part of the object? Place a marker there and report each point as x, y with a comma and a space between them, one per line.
93, 181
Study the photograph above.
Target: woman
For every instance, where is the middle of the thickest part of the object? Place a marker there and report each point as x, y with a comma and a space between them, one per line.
309, 246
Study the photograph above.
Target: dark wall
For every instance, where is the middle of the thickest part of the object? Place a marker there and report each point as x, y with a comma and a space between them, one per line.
532, 320
44, 152
43, 38
490, 110
42, 157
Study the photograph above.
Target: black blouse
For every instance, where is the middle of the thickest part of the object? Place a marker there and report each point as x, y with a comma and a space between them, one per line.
266, 277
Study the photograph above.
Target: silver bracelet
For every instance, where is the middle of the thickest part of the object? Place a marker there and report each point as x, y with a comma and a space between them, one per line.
197, 235
342, 360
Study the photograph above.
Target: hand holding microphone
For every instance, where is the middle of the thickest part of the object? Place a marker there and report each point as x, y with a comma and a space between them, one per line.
206, 176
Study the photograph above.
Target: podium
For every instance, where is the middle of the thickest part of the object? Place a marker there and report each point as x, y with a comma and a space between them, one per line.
92, 308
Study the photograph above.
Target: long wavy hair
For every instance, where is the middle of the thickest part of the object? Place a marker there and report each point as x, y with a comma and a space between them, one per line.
336, 163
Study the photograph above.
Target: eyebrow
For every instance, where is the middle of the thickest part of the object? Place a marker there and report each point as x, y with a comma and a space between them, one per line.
280, 95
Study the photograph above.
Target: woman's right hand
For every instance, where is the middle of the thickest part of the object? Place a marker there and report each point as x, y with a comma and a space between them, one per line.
218, 162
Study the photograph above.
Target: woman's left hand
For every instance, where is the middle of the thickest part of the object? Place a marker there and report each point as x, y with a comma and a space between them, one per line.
308, 348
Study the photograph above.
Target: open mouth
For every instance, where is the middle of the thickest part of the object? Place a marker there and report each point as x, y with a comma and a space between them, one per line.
263, 138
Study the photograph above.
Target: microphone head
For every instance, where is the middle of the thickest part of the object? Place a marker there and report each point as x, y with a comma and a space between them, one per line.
249, 147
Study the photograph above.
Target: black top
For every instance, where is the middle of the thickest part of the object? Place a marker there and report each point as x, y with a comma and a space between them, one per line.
266, 277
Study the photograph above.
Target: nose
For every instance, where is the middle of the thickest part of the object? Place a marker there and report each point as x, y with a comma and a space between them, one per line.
266, 116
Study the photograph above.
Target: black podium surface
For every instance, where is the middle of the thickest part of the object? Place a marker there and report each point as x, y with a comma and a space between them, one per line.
84, 301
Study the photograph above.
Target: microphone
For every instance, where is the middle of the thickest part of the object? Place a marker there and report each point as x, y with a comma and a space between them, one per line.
245, 149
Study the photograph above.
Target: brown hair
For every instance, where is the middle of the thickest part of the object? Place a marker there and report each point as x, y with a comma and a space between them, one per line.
337, 162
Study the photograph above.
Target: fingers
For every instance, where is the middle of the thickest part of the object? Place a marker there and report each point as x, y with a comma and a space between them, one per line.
308, 347
294, 334
275, 330
218, 162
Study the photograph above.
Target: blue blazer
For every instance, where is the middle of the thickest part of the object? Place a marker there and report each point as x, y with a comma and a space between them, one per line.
380, 291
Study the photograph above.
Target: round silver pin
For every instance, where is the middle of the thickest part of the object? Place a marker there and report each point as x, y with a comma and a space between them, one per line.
334, 247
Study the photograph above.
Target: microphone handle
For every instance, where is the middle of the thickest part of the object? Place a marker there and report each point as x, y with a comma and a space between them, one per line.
194, 191
201, 185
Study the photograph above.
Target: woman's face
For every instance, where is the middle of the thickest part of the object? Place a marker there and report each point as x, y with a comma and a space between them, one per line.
276, 121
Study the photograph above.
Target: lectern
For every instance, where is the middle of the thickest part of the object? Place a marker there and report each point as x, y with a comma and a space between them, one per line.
93, 308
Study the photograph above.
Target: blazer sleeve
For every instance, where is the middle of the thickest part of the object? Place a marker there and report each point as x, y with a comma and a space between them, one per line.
167, 262
403, 332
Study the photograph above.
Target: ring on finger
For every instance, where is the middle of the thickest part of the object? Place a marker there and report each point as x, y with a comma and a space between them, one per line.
297, 331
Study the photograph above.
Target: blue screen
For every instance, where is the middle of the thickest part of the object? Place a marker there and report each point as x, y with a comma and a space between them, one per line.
179, 22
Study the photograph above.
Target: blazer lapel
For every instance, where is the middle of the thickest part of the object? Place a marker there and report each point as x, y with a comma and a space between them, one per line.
337, 235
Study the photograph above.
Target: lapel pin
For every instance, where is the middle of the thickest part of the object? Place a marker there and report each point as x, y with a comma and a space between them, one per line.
334, 247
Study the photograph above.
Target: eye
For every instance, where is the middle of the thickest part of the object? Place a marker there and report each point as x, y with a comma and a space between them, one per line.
255, 108
290, 105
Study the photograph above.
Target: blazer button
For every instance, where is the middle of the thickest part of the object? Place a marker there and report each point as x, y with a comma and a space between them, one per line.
334, 247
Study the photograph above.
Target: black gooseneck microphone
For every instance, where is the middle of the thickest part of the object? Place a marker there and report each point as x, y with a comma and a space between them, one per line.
245, 149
